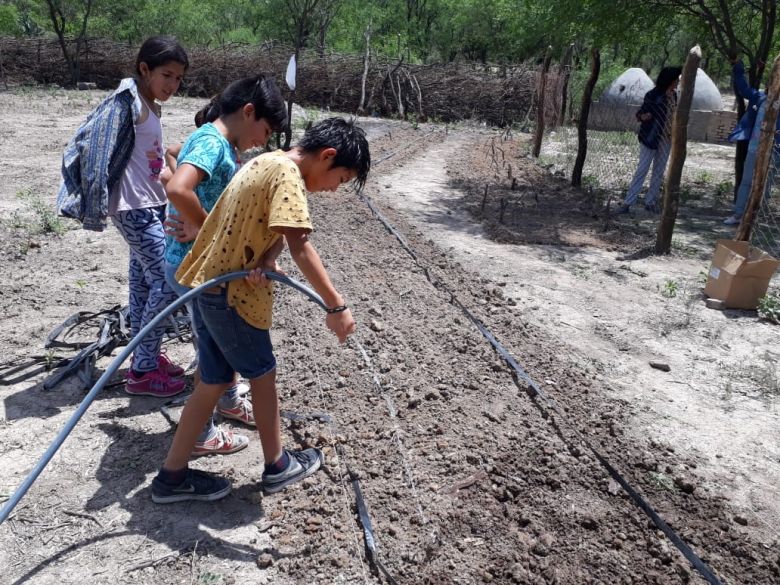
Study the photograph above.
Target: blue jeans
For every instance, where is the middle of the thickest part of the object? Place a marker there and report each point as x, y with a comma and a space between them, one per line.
150, 294
648, 156
230, 398
228, 344
743, 193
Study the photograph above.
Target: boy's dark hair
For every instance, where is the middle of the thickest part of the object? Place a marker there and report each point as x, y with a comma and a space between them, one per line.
157, 51
348, 140
259, 90
667, 76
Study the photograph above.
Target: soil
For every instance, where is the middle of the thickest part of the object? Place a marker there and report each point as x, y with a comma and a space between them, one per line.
466, 478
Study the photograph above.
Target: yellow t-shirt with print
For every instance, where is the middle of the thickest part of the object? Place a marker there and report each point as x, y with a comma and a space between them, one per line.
267, 193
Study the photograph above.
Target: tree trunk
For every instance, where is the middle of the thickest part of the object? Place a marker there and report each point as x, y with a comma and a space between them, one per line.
764, 155
582, 126
539, 130
566, 73
663, 243
366, 65
58, 22
2, 71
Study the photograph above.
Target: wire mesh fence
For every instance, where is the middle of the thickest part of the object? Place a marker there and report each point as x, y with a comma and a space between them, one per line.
609, 165
766, 225
613, 155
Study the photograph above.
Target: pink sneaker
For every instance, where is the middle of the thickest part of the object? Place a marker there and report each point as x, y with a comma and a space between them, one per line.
223, 443
154, 383
167, 366
242, 411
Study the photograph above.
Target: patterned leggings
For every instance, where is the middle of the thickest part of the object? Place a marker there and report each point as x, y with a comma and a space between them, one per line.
143, 231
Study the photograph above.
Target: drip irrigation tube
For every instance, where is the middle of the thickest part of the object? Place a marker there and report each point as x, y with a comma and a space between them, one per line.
704, 570
16, 497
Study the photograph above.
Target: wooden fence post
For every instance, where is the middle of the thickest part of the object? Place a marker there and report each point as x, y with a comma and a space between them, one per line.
582, 125
764, 155
663, 243
539, 130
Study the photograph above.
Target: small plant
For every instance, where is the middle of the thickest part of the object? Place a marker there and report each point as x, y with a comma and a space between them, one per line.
660, 480
724, 191
685, 194
208, 578
769, 307
590, 182
670, 288
50, 359
683, 248
81, 283
44, 217
704, 178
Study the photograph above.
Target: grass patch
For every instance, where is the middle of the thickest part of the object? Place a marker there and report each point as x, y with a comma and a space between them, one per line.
36, 216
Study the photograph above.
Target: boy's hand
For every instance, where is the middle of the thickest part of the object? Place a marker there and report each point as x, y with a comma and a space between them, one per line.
342, 324
645, 117
257, 276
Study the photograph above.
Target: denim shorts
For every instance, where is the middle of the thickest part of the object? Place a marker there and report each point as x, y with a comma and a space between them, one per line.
228, 344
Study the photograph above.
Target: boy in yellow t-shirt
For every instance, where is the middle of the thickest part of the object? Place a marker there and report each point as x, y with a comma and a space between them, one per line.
263, 206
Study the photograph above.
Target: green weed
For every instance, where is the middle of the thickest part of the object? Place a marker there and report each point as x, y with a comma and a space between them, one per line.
208, 578
724, 191
670, 289
590, 182
662, 481
769, 307
37, 216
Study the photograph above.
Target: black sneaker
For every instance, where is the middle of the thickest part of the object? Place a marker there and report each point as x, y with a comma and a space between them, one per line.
302, 464
653, 207
198, 485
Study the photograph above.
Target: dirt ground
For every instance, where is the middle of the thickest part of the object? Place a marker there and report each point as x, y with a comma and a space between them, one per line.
466, 480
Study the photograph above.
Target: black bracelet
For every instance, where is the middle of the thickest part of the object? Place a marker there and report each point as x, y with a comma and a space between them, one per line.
339, 309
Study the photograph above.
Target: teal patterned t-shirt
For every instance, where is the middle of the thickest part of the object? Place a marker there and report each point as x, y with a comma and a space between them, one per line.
208, 150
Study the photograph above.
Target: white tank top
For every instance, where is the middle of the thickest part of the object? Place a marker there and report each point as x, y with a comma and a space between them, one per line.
139, 186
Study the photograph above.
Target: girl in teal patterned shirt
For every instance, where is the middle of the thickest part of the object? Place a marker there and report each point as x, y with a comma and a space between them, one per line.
243, 116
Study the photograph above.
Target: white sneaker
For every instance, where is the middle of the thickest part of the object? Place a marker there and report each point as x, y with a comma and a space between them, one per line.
732, 220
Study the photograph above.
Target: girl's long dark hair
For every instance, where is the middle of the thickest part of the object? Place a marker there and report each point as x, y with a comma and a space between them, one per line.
157, 51
667, 76
260, 90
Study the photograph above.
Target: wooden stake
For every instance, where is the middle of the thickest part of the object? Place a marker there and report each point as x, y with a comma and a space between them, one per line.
582, 125
764, 155
663, 243
539, 130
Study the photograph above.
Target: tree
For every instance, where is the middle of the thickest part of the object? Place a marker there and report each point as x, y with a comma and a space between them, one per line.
303, 19
735, 26
9, 20
69, 17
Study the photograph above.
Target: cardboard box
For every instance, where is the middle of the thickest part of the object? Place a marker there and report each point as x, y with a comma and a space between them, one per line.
739, 274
